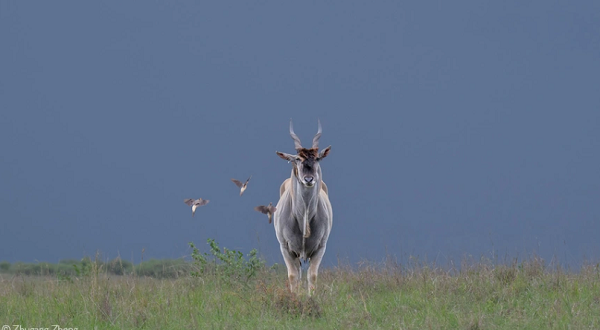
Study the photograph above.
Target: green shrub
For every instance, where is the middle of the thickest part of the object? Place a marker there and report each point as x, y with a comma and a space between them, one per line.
166, 268
4, 266
65, 269
230, 264
118, 266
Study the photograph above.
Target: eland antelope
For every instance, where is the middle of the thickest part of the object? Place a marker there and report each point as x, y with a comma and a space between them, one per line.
241, 185
303, 216
195, 203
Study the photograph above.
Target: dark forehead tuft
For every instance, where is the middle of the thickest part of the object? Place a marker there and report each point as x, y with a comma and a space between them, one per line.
306, 154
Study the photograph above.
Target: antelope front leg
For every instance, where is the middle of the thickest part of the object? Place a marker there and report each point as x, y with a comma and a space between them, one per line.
313, 270
293, 267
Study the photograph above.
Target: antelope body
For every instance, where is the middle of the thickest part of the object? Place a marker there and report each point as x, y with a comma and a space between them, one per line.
303, 216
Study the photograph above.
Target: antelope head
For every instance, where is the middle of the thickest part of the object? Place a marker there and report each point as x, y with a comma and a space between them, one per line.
306, 162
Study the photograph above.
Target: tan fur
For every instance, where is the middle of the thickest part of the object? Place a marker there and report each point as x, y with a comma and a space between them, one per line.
324, 187
284, 186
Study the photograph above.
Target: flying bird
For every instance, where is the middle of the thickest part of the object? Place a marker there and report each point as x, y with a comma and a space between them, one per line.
195, 203
268, 210
241, 185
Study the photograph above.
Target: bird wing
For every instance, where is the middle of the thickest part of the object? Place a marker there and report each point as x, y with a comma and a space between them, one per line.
202, 202
272, 209
189, 201
248, 179
237, 183
261, 209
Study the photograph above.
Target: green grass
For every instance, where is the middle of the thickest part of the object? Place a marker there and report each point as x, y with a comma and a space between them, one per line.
479, 295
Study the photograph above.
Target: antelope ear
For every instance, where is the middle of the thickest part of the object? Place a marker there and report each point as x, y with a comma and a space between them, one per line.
324, 153
288, 157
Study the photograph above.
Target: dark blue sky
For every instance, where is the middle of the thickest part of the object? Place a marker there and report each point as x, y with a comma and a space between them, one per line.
457, 128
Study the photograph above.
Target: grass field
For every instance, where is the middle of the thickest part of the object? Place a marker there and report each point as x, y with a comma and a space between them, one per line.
476, 295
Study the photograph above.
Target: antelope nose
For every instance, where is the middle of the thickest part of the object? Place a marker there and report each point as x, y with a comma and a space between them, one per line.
308, 179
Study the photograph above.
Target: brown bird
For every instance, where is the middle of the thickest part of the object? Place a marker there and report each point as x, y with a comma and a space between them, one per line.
194, 203
268, 210
241, 185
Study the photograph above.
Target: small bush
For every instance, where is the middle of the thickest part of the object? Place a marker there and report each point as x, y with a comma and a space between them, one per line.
4, 266
166, 268
118, 266
230, 264
27, 269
